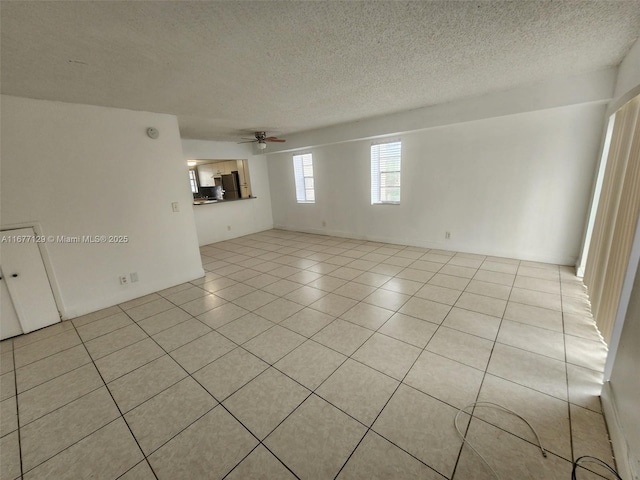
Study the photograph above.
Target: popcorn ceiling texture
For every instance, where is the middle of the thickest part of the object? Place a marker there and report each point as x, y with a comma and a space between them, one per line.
227, 68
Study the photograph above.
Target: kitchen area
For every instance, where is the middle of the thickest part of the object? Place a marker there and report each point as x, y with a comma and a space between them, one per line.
214, 181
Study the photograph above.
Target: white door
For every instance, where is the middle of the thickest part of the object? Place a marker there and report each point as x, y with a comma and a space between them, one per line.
9, 323
26, 280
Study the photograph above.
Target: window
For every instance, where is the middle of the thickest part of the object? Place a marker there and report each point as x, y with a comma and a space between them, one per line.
194, 182
303, 171
385, 173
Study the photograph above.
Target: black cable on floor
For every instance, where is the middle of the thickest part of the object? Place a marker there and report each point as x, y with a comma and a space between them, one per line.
590, 459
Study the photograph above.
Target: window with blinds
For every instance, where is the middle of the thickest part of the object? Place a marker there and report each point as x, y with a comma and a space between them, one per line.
385, 173
303, 172
193, 181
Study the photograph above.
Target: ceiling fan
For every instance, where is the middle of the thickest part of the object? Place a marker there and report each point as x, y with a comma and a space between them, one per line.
262, 139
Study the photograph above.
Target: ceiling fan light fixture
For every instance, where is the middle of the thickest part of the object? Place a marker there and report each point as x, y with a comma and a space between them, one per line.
262, 145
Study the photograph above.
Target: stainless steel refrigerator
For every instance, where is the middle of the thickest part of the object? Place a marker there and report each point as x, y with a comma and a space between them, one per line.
231, 186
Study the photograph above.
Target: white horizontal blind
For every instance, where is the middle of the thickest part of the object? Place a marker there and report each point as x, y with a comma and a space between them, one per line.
303, 172
385, 172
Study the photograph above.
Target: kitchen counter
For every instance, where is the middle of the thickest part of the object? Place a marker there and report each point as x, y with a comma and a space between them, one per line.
210, 201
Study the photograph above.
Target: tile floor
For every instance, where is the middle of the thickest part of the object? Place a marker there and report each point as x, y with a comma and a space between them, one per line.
313, 357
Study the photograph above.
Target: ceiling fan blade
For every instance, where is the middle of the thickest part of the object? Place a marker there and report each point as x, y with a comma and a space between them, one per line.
249, 141
274, 139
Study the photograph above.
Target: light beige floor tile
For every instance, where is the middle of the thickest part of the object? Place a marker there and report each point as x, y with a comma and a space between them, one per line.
409, 329
6, 345
274, 344
433, 312
332, 304
284, 271
435, 256
358, 390
342, 336
261, 280
111, 342
90, 317
426, 265
129, 358
57, 392
265, 401
456, 271
445, 379
534, 339
107, 453
316, 439
305, 295
307, 322
230, 372
462, 261
423, 426
387, 355
537, 299
181, 334
304, 277
161, 321
474, 323
10, 464
142, 471
260, 464
327, 284
49, 435
103, 326
362, 264
590, 436
195, 355
8, 416
529, 369
439, 294
585, 387
377, 459
399, 285
482, 304
234, 291
188, 455
50, 367
248, 273
586, 353
145, 310
550, 272
501, 267
254, 300
41, 349
7, 385
581, 326
392, 266
346, 273
281, 287
489, 289
499, 278
175, 289
539, 284
415, 275
368, 316
42, 334
505, 454
278, 310
218, 284
548, 415
372, 279
310, 364
387, 299
208, 277
138, 386
7, 363
245, 328
165, 415
536, 316
222, 315
202, 304
136, 302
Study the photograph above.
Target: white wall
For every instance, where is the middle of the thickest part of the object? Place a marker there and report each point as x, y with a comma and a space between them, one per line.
628, 72
75, 169
244, 216
514, 186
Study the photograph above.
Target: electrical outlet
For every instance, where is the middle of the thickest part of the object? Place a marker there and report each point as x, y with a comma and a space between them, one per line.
229, 228
123, 280
447, 235
175, 207
133, 276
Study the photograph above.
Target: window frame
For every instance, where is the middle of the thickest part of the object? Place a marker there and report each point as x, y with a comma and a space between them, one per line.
193, 180
302, 180
377, 185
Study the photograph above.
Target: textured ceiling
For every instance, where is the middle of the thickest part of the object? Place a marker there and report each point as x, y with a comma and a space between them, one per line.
227, 68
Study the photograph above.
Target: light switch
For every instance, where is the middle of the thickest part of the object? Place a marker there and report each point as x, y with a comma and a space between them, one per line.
175, 206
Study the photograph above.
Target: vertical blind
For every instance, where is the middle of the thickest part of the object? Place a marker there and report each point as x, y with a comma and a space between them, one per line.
616, 219
385, 172
303, 173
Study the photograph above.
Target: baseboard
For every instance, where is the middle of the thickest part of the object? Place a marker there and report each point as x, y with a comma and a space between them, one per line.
624, 463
